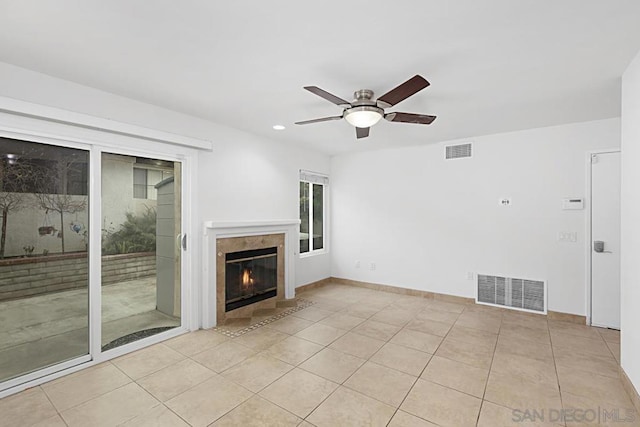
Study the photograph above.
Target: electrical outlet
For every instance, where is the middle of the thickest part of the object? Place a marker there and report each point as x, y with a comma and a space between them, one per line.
505, 201
358, 264
372, 266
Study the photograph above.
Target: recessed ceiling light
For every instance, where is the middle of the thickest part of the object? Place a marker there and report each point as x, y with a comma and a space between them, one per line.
278, 127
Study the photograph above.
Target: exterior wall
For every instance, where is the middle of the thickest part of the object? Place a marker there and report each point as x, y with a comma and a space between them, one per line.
22, 230
25, 277
117, 189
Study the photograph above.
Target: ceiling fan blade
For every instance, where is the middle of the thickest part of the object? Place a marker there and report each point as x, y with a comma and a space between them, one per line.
323, 119
413, 85
328, 96
421, 119
362, 132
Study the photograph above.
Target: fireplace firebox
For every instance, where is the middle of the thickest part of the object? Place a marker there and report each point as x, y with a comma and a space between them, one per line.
250, 276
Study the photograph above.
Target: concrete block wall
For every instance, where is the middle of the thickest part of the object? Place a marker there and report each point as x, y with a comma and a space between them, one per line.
120, 268
23, 277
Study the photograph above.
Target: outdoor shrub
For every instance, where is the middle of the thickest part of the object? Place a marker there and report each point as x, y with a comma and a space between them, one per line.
136, 234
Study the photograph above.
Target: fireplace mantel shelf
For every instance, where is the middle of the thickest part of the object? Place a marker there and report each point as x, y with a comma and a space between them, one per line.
250, 224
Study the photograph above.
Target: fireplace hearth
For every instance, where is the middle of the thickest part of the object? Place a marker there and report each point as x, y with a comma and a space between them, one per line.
250, 276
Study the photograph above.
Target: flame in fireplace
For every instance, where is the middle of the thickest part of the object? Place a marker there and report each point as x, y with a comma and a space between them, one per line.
247, 280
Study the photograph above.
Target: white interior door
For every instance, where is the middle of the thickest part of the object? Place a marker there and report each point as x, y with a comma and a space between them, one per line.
605, 236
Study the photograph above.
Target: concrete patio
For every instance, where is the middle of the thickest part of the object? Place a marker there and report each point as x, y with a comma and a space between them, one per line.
46, 329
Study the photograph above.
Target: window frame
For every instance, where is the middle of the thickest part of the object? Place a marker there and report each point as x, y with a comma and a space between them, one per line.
325, 241
148, 189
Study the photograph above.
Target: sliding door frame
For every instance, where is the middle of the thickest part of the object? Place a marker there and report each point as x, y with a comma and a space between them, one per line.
185, 303
97, 141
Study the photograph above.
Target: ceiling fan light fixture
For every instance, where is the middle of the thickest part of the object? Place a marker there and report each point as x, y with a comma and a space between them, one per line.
363, 116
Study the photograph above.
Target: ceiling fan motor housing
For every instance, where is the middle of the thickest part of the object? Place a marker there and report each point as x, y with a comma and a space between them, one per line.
363, 95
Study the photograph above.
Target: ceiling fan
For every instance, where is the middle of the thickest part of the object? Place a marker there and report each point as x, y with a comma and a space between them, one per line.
364, 112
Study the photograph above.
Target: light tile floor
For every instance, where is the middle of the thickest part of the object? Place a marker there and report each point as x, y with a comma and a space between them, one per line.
358, 357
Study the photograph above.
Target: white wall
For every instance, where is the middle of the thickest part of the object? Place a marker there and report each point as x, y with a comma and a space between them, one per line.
243, 178
630, 276
426, 222
255, 180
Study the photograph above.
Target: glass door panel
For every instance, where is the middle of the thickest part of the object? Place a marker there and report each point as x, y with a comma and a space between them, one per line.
44, 232
141, 226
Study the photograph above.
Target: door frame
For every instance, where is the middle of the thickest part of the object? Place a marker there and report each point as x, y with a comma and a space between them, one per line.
96, 272
588, 235
95, 141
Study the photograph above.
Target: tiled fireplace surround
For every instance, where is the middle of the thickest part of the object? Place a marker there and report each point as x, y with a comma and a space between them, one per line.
229, 245
226, 237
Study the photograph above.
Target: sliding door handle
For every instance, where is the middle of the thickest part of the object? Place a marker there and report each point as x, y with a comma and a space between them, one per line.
598, 247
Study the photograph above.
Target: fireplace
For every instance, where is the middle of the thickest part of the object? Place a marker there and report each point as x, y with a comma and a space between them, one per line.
250, 276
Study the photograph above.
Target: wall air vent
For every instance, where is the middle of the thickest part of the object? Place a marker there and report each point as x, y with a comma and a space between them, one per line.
509, 292
458, 151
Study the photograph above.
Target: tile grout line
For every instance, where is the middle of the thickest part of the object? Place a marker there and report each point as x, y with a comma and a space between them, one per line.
608, 346
555, 365
326, 379
365, 361
93, 398
280, 377
422, 372
261, 397
486, 385
53, 405
174, 413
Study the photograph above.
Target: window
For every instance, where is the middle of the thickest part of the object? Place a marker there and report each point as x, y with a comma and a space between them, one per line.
145, 180
312, 212
139, 183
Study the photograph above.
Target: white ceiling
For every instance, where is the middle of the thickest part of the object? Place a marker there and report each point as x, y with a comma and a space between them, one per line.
494, 65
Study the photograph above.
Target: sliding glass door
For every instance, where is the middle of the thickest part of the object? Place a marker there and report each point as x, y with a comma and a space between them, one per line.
141, 254
62, 304
44, 263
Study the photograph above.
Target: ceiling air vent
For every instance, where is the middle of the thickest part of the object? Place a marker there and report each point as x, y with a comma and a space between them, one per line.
509, 292
458, 151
